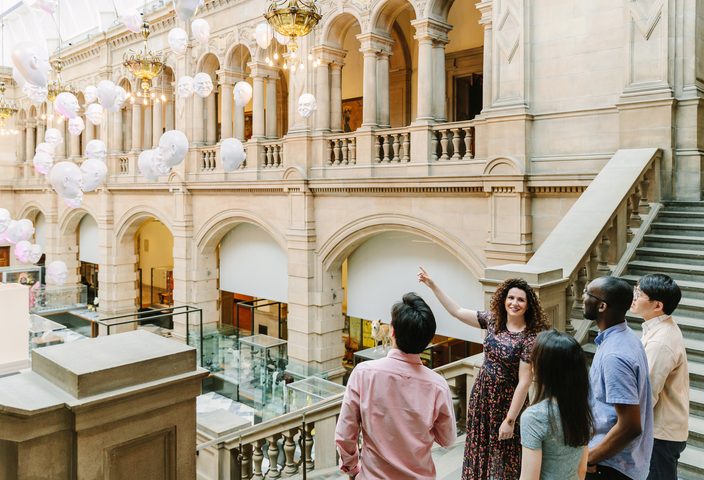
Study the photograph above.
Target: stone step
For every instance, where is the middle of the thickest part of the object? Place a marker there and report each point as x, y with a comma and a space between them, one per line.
696, 401
691, 464
690, 206
674, 241
672, 255
672, 228
690, 289
681, 216
677, 271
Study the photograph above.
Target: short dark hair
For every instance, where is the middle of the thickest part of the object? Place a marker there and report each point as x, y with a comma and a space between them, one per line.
413, 322
662, 288
618, 294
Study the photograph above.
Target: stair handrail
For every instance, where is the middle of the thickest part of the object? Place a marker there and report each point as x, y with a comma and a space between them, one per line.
591, 237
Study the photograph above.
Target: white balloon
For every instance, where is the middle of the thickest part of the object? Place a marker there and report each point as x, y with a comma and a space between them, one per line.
186, 9
232, 154
178, 40
53, 136
97, 150
32, 62
263, 33
173, 146
94, 172
67, 179
94, 113
42, 162
281, 39
5, 219
107, 91
76, 126
184, 89
46, 147
19, 230
242, 93
35, 253
132, 20
307, 104
56, 273
74, 202
120, 98
48, 6
146, 166
23, 251
202, 84
90, 94
201, 31
36, 95
17, 77
66, 104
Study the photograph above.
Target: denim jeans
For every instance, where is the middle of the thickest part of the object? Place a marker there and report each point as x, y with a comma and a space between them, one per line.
607, 473
663, 463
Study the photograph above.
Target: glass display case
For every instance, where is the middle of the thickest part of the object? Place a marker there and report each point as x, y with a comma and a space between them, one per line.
53, 298
44, 332
306, 392
24, 275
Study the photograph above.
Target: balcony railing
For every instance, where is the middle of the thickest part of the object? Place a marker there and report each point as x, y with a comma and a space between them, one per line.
452, 141
393, 145
272, 154
341, 150
257, 452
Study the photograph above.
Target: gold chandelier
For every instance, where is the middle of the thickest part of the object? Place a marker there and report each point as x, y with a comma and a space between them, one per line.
57, 86
7, 110
293, 19
144, 65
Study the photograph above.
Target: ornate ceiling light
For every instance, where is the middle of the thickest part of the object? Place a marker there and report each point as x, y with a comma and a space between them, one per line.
145, 65
7, 110
57, 86
293, 19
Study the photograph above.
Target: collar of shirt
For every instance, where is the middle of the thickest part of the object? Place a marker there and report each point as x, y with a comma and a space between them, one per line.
412, 358
653, 323
619, 327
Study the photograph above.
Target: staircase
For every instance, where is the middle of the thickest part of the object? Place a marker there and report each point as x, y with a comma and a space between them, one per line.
674, 245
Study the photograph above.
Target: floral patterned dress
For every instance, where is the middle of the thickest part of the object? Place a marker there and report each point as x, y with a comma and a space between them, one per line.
485, 456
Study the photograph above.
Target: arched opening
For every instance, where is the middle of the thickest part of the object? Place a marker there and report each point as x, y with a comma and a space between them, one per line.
464, 61
88, 256
377, 269
207, 110
154, 247
240, 123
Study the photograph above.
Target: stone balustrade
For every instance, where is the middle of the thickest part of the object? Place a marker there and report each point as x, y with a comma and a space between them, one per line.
255, 452
452, 141
393, 145
208, 159
272, 154
591, 238
341, 150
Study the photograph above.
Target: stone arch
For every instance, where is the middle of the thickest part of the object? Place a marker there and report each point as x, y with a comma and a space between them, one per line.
130, 222
345, 240
237, 56
336, 26
438, 9
69, 221
386, 12
30, 211
212, 232
209, 63
502, 166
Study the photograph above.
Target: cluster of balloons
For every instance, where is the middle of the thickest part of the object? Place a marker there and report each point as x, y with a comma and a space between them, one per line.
171, 152
201, 84
44, 153
18, 233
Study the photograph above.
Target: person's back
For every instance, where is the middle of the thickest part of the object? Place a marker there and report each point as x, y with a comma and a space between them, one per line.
400, 406
541, 429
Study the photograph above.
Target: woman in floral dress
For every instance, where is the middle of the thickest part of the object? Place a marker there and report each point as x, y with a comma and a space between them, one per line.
493, 447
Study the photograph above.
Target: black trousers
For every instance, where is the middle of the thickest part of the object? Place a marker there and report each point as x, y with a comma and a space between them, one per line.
663, 463
607, 473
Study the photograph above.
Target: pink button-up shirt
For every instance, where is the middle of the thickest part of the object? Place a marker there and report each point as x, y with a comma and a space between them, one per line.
402, 407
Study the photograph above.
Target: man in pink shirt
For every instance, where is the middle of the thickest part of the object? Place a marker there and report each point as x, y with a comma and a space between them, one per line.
401, 406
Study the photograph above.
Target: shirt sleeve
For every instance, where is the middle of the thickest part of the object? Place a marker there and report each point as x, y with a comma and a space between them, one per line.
445, 428
620, 381
484, 318
527, 349
533, 428
348, 425
661, 362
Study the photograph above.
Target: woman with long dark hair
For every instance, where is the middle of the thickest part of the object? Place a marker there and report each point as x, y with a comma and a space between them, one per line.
556, 428
493, 449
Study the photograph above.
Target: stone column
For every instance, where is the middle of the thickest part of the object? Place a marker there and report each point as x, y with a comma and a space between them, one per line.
148, 120
369, 110
29, 142
74, 146
439, 80
115, 137
88, 135
127, 130
21, 143
198, 121
41, 131
271, 110
157, 124
336, 97
257, 104
137, 129
425, 79
382, 72
169, 122
322, 93
226, 104
211, 119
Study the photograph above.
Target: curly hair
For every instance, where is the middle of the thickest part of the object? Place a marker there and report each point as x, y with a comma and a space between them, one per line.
536, 321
